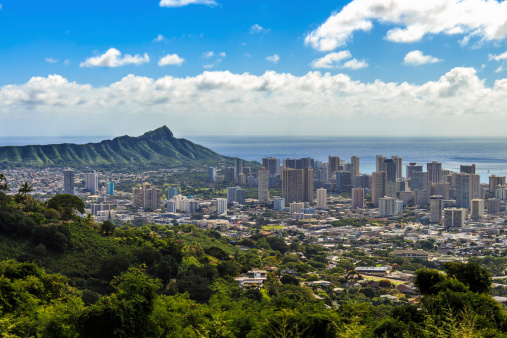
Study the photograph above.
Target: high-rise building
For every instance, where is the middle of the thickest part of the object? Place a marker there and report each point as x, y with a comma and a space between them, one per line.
419, 181
390, 169
296, 208
494, 181
212, 174
477, 208
322, 198
434, 170
242, 179
171, 192
221, 206
292, 185
493, 206
334, 164
455, 217
399, 166
361, 181
231, 194
278, 203
344, 181
354, 160
379, 163
69, 182
389, 206
272, 164
501, 192
91, 181
308, 185
467, 188
436, 208
378, 186
467, 169
263, 185
411, 167
230, 174
442, 189
146, 197
239, 163
357, 198
110, 188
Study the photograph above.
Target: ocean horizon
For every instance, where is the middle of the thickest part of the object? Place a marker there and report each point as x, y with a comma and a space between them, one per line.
488, 154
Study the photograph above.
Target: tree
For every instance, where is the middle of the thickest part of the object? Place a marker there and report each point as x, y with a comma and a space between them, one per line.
25, 188
107, 228
289, 280
471, 274
3, 182
428, 280
66, 203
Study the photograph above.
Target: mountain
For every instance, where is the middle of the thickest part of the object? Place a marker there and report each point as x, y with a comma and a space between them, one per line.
158, 147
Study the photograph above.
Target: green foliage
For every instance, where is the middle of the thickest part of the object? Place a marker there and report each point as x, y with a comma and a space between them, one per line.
66, 204
427, 281
471, 274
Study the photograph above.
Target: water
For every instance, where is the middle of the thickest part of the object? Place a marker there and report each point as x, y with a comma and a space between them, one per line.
489, 154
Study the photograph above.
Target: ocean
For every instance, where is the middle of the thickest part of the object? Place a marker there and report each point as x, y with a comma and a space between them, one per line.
488, 154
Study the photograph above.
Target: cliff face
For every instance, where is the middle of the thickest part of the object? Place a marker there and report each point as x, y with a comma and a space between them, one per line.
158, 146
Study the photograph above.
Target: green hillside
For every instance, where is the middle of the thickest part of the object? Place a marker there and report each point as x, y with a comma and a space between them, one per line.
156, 147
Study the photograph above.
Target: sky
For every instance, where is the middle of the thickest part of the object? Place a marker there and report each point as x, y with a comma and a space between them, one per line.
252, 67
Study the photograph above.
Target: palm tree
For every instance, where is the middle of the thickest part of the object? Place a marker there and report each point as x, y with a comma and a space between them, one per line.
3, 182
25, 188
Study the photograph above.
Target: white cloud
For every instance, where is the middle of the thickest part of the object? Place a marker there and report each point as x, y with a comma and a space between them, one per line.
171, 59
113, 58
222, 54
51, 60
208, 55
355, 64
273, 58
413, 20
159, 38
181, 3
331, 60
66, 62
457, 103
500, 57
256, 28
417, 58
335, 60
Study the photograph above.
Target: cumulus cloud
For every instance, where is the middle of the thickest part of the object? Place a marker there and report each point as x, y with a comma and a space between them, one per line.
215, 98
499, 57
273, 58
51, 60
335, 60
208, 55
159, 38
171, 59
256, 28
417, 58
181, 3
413, 20
113, 58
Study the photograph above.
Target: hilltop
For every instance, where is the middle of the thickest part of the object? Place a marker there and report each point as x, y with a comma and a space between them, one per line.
156, 147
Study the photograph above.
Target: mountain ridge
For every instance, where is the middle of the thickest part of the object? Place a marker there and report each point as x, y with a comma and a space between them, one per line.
154, 147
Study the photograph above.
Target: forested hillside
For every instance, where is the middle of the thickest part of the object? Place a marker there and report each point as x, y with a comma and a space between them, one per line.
62, 275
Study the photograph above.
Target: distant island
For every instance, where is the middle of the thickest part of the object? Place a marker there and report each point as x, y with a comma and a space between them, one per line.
156, 147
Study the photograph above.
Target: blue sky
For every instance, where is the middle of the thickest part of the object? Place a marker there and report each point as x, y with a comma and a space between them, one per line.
206, 67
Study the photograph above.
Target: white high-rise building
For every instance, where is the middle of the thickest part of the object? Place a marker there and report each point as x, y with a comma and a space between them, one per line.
389, 206
279, 203
296, 207
91, 181
263, 185
322, 198
477, 206
221, 206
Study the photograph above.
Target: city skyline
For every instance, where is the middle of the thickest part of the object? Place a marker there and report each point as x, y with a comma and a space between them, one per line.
431, 68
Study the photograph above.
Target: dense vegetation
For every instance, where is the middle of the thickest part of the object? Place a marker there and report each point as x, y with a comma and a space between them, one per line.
157, 147
63, 275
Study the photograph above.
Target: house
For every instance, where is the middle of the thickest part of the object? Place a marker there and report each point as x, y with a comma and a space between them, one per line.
390, 297
319, 283
406, 288
377, 271
253, 278
421, 254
